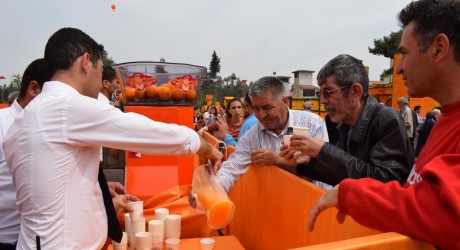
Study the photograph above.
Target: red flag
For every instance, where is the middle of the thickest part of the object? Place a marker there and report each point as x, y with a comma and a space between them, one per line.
244, 81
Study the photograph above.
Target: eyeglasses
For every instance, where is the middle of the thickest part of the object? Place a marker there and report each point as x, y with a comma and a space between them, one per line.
327, 92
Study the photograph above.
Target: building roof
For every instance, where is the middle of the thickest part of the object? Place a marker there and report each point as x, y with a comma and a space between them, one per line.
303, 70
375, 82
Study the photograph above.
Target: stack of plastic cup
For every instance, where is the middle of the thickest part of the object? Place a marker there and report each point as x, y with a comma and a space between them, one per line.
137, 227
143, 241
161, 213
123, 245
172, 226
156, 228
172, 244
128, 229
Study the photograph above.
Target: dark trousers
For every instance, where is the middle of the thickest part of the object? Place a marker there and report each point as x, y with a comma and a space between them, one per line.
5, 246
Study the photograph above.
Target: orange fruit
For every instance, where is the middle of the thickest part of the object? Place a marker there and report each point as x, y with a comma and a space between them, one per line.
190, 95
170, 86
151, 91
177, 95
129, 93
139, 94
164, 93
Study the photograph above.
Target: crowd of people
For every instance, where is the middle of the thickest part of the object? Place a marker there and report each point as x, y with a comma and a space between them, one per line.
381, 166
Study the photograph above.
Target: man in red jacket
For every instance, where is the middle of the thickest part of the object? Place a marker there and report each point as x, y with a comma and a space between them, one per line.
428, 206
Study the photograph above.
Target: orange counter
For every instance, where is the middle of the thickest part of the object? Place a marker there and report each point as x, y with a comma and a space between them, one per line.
222, 243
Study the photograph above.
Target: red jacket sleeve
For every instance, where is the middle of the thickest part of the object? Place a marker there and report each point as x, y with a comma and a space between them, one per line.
428, 210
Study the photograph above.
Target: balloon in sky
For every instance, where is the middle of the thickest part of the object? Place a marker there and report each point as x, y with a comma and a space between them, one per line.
114, 7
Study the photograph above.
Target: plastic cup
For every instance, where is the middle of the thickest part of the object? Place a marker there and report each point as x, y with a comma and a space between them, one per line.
301, 131
128, 229
287, 140
172, 244
138, 211
156, 227
143, 241
207, 244
172, 226
161, 213
213, 198
136, 227
157, 245
123, 245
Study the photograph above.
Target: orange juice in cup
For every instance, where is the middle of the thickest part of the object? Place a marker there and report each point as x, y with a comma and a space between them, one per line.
213, 198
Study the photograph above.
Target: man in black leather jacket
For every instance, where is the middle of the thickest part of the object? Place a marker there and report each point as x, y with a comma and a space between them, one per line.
372, 143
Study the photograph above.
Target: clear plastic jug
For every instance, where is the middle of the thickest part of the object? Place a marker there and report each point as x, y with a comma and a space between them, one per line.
212, 199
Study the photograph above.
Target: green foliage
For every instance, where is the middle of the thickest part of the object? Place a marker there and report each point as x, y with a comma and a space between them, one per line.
106, 60
387, 46
14, 85
214, 66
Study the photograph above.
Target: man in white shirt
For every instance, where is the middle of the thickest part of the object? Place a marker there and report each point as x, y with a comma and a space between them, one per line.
110, 84
261, 144
53, 151
32, 81
406, 114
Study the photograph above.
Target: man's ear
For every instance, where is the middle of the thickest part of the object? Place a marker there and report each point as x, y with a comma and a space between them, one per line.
356, 90
105, 83
440, 47
34, 88
85, 62
286, 101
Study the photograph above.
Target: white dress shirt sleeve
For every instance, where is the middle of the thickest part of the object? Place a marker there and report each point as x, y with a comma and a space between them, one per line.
97, 124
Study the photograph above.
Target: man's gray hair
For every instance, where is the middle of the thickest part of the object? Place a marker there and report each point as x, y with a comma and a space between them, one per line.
268, 84
347, 70
403, 100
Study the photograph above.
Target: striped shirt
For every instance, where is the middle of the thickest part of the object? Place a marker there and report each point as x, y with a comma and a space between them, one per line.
259, 137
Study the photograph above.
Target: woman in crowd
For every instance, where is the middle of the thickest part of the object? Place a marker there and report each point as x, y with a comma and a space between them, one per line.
229, 126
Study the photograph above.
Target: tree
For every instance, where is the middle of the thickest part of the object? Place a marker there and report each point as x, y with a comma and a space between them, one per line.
15, 83
387, 46
106, 60
214, 66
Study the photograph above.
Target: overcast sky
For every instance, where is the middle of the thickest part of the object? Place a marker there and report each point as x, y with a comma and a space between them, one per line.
253, 38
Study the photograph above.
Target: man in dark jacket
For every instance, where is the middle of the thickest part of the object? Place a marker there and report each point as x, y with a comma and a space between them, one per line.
372, 142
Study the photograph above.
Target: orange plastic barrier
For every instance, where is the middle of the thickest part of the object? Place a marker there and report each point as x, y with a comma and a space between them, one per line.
374, 242
271, 212
4, 105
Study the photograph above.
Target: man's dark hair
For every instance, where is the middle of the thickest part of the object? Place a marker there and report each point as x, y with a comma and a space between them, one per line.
418, 107
36, 71
66, 45
431, 18
108, 74
347, 70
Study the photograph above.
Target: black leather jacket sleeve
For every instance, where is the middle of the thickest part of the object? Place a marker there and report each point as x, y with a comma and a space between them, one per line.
383, 153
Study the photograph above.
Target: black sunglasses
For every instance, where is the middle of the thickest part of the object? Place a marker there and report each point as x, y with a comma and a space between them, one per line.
327, 92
